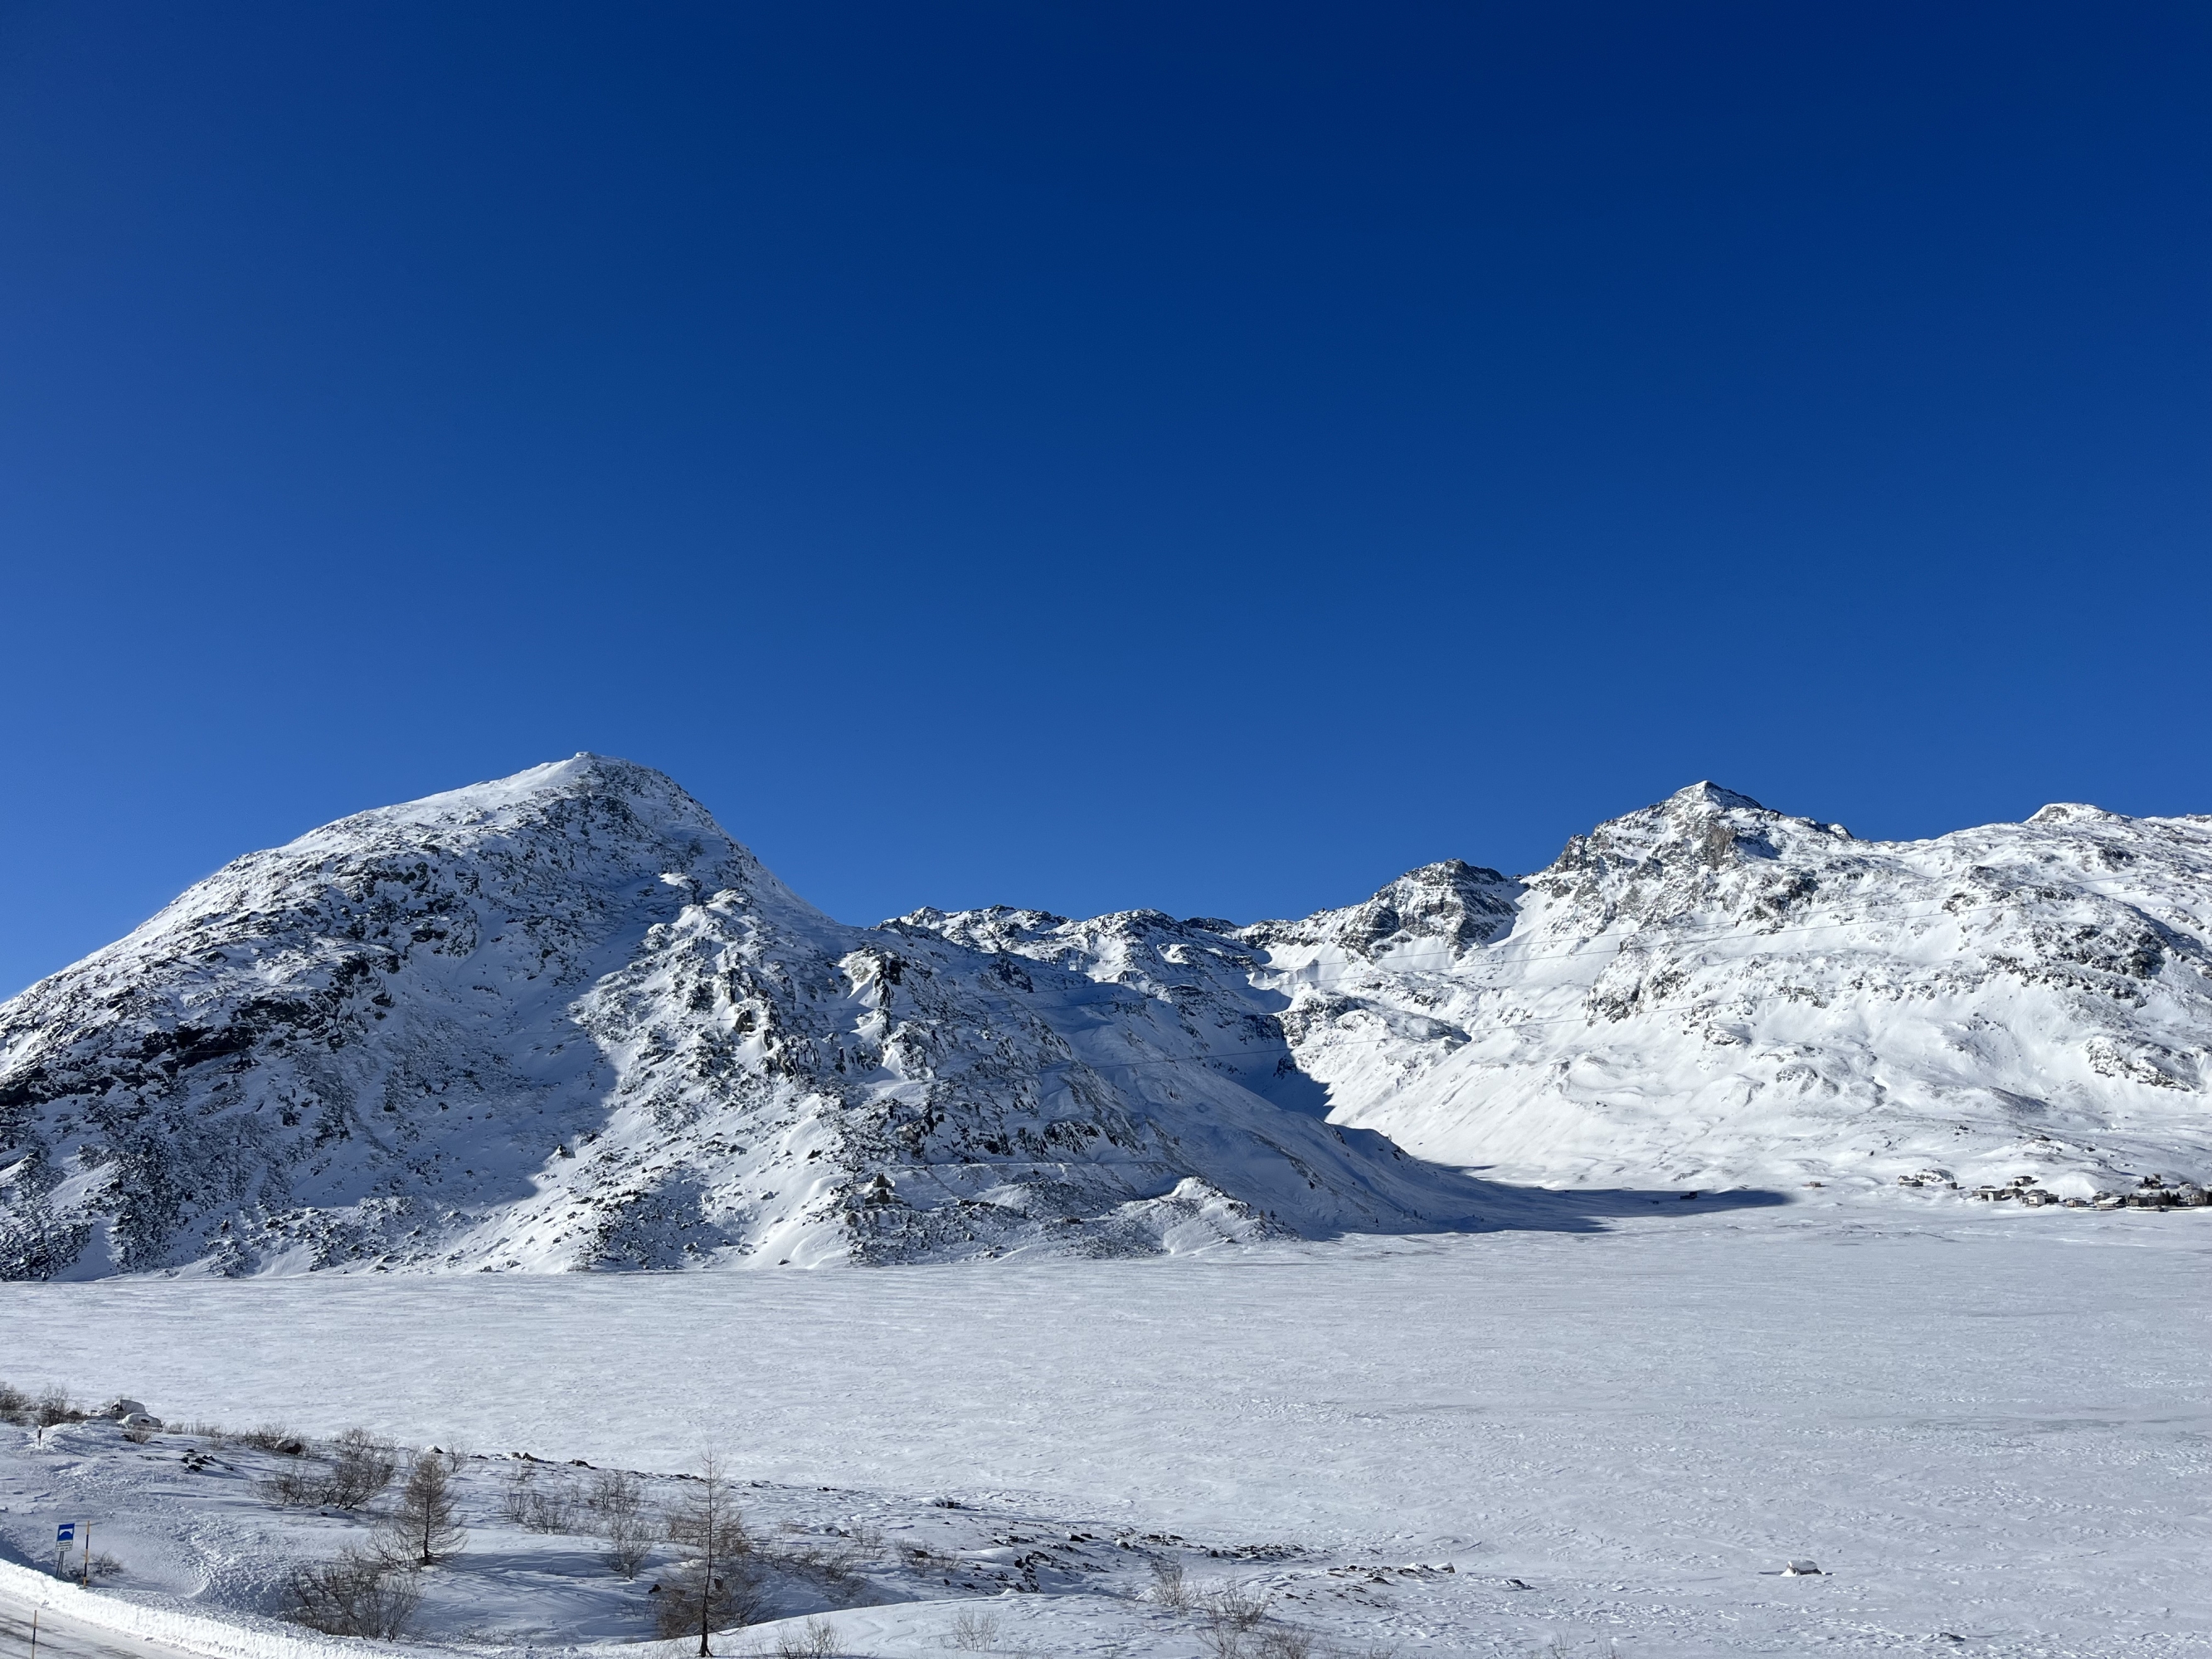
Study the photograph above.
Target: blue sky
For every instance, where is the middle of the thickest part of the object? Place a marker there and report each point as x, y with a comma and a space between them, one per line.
1207, 457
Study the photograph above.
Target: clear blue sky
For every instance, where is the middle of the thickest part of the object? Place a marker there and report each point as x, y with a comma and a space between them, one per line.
1201, 456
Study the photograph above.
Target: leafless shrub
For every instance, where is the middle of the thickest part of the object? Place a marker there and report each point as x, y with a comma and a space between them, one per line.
538, 1505
1170, 1588
815, 1640
212, 1433
1232, 1612
517, 1482
1286, 1642
15, 1406
1239, 1607
272, 1438
52, 1407
550, 1506
615, 1494
455, 1455
630, 1538
361, 1467
420, 1530
832, 1565
922, 1558
973, 1631
137, 1433
354, 1595
297, 1487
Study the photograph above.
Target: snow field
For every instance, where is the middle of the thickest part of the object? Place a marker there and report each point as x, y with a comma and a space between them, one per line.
1985, 1423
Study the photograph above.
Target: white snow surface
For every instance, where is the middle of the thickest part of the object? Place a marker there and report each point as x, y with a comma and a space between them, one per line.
1989, 1427
563, 1021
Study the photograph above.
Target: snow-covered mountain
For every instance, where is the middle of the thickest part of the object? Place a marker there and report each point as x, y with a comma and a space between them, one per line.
562, 1020
1706, 992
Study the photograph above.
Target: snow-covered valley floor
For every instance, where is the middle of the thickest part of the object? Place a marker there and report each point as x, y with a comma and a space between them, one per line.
1984, 1425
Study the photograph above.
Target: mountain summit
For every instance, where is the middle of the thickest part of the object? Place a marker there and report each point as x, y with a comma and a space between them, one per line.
562, 1020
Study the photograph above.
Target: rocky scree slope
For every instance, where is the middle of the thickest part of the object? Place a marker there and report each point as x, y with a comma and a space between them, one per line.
562, 1020
1706, 992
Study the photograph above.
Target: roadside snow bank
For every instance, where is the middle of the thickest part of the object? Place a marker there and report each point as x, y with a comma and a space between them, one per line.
217, 1638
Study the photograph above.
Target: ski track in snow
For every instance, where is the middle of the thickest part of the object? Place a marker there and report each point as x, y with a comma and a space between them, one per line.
1981, 1422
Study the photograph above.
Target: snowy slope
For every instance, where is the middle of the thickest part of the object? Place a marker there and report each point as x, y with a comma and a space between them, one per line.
1706, 992
563, 1020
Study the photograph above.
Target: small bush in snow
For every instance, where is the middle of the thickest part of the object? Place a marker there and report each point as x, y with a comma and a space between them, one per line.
542, 1505
616, 1492
630, 1538
815, 1640
1238, 1606
354, 1595
1169, 1588
297, 1487
973, 1631
15, 1406
361, 1467
52, 1407
1232, 1612
273, 1438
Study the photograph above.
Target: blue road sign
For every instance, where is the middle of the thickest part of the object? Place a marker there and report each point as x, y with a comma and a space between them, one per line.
64, 1532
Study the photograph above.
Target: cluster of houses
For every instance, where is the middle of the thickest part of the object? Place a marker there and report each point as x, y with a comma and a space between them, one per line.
2152, 1194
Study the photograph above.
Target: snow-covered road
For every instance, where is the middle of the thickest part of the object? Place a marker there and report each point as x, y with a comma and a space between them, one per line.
64, 1637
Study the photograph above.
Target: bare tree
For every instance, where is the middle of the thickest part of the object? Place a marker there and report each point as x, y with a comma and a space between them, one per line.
420, 1530
718, 1585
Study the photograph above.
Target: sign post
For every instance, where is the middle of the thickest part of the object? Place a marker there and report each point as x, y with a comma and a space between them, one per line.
62, 1534
86, 1581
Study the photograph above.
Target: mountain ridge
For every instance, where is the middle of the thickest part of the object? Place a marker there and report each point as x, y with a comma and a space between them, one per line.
562, 1020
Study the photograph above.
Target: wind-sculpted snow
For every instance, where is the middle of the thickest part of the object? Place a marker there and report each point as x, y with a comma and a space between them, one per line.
563, 1020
